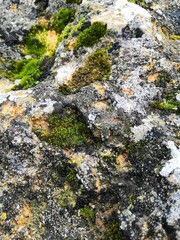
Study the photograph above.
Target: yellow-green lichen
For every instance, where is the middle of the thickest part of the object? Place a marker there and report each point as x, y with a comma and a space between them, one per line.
175, 37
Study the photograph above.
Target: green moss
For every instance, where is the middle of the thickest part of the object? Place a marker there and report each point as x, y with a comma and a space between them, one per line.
28, 71
91, 35
140, 3
169, 101
62, 18
175, 37
66, 131
87, 213
164, 77
65, 197
74, 1
96, 68
70, 29
165, 104
33, 46
113, 232
71, 175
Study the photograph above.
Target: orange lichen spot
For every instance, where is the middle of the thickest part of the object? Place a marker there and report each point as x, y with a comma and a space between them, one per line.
25, 216
70, 44
9, 108
5, 86
153, 77
128, 91
100, 105
13, 8
150, 65
122, 163
99, 88
97, 133
42, 21
39, 123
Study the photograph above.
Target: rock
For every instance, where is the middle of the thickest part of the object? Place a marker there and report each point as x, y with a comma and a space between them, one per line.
116, 175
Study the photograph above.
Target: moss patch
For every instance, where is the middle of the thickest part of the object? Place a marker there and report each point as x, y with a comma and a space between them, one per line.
71, 28
168, 104
65, 197
169, 101
33, 46
41, 41
28, 71
74, 1
62, 18
87, 213
140, 3
96, 68
91, 35
112, 231
65, 131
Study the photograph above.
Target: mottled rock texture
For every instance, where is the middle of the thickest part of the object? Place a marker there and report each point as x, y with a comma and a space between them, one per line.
89, 120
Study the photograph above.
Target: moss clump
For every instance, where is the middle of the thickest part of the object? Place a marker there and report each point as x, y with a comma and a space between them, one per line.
166, 104
74, 1
66, 131
113, 232
169, 101
71, 175
65, 197
70, 29
96, 68
91, 35
140, 3
87, 213
41, 41
28, 71
33, 46
164, 76
62, 18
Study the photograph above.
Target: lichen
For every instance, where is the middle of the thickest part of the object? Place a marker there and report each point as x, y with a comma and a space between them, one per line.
97, 67
65, 197
91, 35
175, 37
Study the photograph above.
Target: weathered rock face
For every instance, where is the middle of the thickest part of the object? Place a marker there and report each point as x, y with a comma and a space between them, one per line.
91, 151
